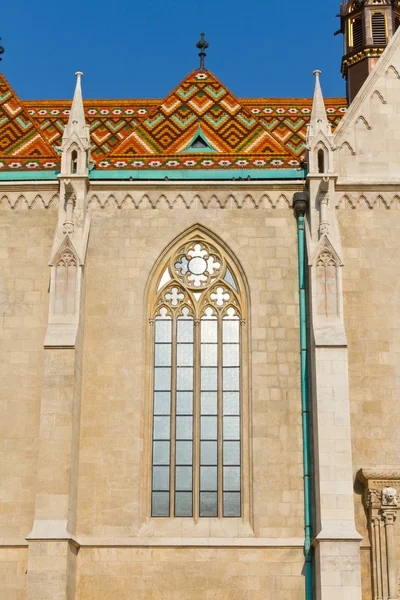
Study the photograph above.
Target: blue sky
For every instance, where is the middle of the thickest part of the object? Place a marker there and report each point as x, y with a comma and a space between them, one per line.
128, 49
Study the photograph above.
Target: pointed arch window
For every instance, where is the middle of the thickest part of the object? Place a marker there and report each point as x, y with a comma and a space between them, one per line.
198, 309
321, 161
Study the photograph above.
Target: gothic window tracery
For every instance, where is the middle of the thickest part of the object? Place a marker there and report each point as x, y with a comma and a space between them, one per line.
197, 389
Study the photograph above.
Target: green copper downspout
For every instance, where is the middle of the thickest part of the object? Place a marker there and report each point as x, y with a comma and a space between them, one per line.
300, 206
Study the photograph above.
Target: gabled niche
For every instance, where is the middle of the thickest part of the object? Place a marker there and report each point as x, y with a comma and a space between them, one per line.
65, 270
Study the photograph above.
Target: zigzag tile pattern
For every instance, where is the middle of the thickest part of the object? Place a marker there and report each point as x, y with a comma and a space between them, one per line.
110, 122
21, 143
155, 134
201, 102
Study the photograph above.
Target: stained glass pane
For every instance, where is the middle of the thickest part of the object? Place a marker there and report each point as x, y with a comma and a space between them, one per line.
231, 379
162, 403
231, 479
231, 428
231, 502
161, 479
231, 402
162, 379
183, 479
162, 428
209, 428
184, 454
184, 355
231, 453
161, 453
184, 379
229, 279
209, 403
209, 379
208, 504
184, 428
208, 479
230, 331
163, 355
185, 330
209, 355
209, 331
160, 504
183, 504
184, 403
208, 453
231, 355
163, 330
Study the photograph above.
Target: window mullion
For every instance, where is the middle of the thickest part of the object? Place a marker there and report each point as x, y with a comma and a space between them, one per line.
173, 420
220, 419
196, 423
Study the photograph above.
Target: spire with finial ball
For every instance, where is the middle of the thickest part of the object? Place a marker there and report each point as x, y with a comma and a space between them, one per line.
202, 45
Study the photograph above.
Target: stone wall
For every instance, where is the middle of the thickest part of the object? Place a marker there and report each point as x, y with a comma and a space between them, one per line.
371, 286
122, 251
25, 241
190, 574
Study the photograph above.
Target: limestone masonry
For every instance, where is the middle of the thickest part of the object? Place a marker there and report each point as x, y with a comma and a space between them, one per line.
200, 339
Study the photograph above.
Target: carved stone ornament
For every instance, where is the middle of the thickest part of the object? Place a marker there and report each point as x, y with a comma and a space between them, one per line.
68, 228
324, 228
380, 486
374, 499
389, 496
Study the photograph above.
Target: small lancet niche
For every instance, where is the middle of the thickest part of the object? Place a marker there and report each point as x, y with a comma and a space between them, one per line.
327, 281
66, 276
321, 161
327, 288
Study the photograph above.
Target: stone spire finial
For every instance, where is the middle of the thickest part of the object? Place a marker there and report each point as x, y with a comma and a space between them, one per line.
76, 121
319, 120
75, 146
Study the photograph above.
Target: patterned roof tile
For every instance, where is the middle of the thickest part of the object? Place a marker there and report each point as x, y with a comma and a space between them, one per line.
158, 134
21, 143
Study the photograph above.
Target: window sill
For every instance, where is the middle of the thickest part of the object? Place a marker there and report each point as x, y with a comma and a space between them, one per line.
189, 528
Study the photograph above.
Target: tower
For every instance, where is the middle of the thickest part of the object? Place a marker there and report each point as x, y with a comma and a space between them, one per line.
367, 26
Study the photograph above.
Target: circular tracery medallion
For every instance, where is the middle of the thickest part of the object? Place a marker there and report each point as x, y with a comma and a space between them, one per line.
197, 265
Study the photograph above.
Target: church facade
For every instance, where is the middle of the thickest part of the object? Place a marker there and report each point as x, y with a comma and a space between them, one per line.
200, 308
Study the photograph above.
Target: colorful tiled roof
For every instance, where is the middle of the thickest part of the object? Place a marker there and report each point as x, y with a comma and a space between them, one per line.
21, 143
160, 134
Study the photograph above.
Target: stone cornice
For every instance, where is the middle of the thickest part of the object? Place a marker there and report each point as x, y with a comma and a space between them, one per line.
379, 473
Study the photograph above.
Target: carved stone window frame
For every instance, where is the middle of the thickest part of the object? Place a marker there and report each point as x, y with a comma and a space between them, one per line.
239, 300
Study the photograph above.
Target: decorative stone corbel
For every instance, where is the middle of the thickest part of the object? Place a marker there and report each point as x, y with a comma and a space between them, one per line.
380, 489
